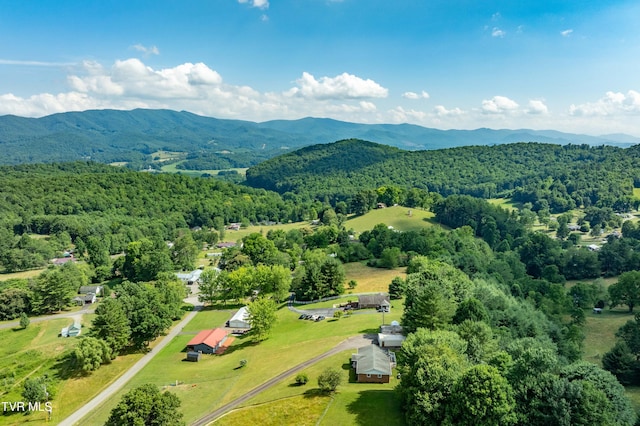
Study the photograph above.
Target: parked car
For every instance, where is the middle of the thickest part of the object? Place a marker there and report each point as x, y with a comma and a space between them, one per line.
319, 318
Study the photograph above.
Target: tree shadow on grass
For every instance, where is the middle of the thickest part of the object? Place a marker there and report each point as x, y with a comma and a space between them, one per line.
65, 368
352, 372
315, 393
246, 342
377, 407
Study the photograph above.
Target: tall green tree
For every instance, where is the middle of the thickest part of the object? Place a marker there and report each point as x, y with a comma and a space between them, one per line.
146, 405
481, 396
626, 291
262, 316
111, 325
184, 252
91, 353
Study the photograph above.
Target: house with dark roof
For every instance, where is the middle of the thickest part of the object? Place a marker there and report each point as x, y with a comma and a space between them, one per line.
210, 341
378, 301
372, 365
95, 289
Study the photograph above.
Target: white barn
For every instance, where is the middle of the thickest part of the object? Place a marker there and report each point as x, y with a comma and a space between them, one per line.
240, 319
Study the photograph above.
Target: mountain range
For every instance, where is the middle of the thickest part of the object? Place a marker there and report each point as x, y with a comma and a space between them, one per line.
132, 136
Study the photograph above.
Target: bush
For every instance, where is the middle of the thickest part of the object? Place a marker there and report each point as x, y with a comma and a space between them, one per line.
302, 379
329, 380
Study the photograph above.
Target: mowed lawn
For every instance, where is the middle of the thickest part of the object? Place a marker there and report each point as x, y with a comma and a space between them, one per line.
396, 216
371, 279
216, 380
353, 404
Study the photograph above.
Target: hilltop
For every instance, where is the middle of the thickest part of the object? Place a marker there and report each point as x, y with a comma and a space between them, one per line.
202, 143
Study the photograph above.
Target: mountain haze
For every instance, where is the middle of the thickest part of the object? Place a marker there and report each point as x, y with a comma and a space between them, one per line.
132, 136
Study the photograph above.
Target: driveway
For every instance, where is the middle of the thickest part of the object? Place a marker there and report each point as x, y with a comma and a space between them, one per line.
351, 343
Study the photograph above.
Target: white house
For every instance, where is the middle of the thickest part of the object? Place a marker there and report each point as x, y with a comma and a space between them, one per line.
190, 278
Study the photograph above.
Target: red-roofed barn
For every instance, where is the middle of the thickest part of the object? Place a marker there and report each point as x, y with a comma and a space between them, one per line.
208, 341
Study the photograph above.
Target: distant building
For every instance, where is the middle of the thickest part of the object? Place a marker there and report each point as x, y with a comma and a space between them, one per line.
378, 301
240, 319
372, 365
190, 278
95, 289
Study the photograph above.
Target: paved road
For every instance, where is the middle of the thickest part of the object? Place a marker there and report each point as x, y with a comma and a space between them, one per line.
87, 309
350, 343
115, 386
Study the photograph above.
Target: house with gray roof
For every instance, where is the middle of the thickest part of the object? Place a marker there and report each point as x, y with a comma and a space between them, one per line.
372, 365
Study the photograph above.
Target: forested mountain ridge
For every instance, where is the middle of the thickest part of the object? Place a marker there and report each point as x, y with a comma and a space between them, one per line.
566, 175
210, 143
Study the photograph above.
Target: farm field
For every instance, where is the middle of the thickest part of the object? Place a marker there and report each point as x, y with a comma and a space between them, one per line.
396, 216
371, 279
216, 380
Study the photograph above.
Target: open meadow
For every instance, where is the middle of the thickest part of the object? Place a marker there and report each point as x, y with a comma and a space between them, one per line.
216, 380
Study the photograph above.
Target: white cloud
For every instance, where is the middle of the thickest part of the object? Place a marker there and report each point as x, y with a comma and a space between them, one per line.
537, 107
343, 86
566, 33
151, 50
414, 95
498, 105
497, 32
260, 4
441, 111
613, 103
402, 115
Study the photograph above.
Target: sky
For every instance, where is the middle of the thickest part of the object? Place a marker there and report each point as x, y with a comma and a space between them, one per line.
568, 65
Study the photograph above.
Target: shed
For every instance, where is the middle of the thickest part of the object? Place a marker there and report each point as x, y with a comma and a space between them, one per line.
240, 319
193, 356
372, 365
73, 330
208, 341
390, 340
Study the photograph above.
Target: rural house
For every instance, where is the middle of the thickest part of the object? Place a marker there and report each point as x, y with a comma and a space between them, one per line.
95, 289
390, 336
190, 278
209, 341
372, 365
378, 301
240, 319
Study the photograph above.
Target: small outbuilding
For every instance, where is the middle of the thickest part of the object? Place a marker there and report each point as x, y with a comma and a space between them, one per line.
73, 330
240, 319
372, 365
193, 356
208, 341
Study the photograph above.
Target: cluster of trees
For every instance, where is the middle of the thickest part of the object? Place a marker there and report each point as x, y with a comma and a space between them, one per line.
477, 355
556, 177
139, 313
51, 291
75, 202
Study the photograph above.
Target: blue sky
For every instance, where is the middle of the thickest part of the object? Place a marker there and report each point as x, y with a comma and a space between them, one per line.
565, 65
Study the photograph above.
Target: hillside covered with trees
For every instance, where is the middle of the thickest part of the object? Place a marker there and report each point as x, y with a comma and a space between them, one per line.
548, 176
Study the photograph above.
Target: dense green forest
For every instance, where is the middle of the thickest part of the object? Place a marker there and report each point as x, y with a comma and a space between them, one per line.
548, 176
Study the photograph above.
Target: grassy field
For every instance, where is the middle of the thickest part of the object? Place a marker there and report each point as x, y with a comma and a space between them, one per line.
353, 404
215, 380
371, 279
396, 216
505, 203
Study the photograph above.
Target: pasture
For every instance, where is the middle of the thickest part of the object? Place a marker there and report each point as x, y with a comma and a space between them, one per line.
216, 380
396, 216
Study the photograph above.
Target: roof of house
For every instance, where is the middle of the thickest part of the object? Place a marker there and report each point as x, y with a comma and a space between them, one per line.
373, 299
372, 360
390, 339
190, 276
210, 338
241, 315
90, 289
